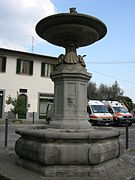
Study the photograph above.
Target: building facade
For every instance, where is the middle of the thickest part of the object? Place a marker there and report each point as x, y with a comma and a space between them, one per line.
28, 75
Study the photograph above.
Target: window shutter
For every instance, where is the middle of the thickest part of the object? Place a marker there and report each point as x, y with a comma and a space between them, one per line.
4, 64
31, 68
42, 69
18, 66
53, 67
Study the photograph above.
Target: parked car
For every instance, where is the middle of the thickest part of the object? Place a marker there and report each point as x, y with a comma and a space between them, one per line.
120, 113
98, 113
49, 112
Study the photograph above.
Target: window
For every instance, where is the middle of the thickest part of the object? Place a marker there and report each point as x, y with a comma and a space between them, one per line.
44, 99
46, 69
120, 109
88, 110
99, 109
24, 67
23, 90
110, 110
2, 64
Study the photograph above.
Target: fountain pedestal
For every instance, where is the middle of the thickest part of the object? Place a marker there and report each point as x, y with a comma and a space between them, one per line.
70, 96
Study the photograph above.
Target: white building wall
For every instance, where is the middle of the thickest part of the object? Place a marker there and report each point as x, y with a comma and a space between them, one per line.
35, 84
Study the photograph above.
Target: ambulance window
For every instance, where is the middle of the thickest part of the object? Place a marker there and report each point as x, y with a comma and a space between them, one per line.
88, 110
110, 110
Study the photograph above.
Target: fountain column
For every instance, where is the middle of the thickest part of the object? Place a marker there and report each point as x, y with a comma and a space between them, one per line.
70, 94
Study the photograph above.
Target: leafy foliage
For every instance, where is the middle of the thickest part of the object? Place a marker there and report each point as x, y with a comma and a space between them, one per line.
92, 90
18, 104
105, 92
128, 102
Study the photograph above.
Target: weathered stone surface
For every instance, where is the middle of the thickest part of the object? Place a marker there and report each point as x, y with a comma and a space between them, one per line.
72, 170
104, 151
122, 169
74, 148
68, 147
70, 96
64, 28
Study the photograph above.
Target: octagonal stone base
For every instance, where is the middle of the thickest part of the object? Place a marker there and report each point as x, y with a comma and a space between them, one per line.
57, 152
72, 170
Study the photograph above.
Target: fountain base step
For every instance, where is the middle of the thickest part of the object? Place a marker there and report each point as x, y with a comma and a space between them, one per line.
70, 170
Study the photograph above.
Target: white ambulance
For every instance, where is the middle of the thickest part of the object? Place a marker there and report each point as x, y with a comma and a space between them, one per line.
120, 112
98, 113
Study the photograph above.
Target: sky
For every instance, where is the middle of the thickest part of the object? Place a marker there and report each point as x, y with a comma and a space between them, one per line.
110, 59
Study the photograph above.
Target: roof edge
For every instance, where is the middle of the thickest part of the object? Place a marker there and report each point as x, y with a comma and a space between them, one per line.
4, 50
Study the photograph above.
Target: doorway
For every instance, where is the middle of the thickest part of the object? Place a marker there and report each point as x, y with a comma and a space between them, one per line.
24, 104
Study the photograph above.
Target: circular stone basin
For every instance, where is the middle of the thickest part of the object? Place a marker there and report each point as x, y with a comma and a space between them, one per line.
64, 28
68, 147
68, 134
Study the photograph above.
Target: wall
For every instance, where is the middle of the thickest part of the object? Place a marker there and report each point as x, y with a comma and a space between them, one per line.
35, 84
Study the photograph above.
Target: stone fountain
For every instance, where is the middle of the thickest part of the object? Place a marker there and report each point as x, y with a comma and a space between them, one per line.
70, 147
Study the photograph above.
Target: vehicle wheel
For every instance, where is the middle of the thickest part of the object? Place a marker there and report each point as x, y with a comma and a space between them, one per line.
94, 124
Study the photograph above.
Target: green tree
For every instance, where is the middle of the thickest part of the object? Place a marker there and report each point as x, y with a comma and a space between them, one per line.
128, 102
92, 90
104, 92
18, 104
115, 92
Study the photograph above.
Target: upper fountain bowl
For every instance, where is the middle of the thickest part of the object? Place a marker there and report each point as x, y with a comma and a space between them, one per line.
64, 28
